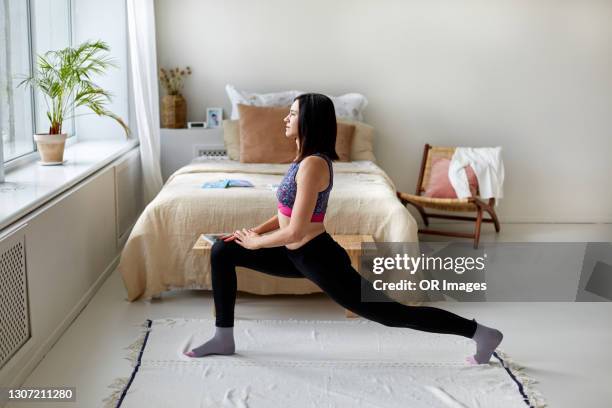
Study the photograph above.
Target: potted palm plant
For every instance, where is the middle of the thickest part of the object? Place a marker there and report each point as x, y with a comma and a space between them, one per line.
65, 79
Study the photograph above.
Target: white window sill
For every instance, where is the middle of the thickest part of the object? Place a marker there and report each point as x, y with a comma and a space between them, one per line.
30, 185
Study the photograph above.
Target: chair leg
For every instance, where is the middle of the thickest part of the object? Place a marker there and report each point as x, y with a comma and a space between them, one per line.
423, 215
491, 212
477, 230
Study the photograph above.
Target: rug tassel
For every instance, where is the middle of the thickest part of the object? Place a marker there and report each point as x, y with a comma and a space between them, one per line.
134, 348
117, 386
120, 383
536, 399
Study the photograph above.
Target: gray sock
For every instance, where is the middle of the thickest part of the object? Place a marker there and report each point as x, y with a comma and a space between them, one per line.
221, 343
487, 340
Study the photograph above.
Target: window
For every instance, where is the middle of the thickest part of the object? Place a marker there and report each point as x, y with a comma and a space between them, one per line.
15, 103
27, 28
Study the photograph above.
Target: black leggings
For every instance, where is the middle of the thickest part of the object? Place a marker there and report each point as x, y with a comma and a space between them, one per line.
323, 261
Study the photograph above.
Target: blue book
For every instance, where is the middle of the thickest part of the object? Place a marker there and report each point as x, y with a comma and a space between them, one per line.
225, 183
239, 183
216, 184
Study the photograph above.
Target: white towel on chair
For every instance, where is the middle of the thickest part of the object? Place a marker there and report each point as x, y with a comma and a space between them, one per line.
488, 166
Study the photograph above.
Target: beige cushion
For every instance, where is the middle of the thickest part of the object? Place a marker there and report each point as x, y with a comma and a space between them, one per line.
231, 136
344, 141
262, 135
362, 145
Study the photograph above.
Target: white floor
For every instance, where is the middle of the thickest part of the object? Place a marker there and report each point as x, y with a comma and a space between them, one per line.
563, 345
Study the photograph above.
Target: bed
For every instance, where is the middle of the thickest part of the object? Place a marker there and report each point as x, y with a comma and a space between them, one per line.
157, 255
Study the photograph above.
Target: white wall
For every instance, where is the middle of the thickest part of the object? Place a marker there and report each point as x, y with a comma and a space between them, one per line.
533, 77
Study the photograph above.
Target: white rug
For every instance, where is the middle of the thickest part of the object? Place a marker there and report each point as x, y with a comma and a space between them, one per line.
296, 363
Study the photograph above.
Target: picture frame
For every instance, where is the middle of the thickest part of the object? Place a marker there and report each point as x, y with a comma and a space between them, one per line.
214, 117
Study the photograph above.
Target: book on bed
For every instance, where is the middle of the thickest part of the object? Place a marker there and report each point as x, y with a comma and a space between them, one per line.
212, 238
225, 183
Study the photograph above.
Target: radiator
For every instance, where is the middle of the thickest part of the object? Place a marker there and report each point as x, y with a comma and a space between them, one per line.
14, 311
209, 151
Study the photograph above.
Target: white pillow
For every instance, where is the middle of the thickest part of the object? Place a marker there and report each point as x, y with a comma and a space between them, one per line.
348, 106
246, 98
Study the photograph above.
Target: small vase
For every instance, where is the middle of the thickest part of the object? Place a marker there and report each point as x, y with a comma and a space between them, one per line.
174, 112
51, 147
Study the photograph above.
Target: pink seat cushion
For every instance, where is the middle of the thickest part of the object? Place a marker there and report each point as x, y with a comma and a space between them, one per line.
439, 185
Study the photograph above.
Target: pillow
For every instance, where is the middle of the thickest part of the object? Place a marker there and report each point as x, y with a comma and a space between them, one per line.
262, 135
349, 106
344, 140
439, 185
363, 141
231, 136
269, 99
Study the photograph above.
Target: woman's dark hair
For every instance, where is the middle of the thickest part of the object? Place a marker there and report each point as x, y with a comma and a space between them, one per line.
316, 126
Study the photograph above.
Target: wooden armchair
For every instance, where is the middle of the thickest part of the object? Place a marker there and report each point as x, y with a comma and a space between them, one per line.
470, 204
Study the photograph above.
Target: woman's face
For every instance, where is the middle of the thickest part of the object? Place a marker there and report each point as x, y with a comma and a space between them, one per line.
291, 121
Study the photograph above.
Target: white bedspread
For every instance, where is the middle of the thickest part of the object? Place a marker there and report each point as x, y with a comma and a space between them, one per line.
158, 256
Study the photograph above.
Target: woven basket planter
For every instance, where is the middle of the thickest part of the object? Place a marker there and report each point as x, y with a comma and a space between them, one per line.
174, 112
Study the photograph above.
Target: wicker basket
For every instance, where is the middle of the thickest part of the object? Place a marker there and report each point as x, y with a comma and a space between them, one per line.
174, 112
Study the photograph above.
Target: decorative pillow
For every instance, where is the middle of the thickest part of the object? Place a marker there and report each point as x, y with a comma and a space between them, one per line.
349, 106
344, 140
231, 136
439, 185
262, 135
361, 143
248, 98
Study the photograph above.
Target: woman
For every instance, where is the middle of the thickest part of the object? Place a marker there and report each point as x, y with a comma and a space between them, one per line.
299, 246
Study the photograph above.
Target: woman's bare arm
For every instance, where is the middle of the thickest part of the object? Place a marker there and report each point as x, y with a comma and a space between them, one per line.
270, 225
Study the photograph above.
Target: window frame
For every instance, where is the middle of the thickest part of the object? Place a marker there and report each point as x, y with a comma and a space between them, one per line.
29, 157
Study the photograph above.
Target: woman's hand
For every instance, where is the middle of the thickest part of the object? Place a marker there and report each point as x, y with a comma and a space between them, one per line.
247, 238
231, 237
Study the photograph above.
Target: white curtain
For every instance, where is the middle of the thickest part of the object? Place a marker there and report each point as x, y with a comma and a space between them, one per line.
143, 64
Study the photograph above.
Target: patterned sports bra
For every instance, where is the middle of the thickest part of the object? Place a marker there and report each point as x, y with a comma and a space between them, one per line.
288, 188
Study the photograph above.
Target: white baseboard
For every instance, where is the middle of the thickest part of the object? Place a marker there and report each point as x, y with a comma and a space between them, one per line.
544, 220
525, 220
519, 219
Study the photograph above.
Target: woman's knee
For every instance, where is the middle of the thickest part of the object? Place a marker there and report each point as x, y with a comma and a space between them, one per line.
222, 251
